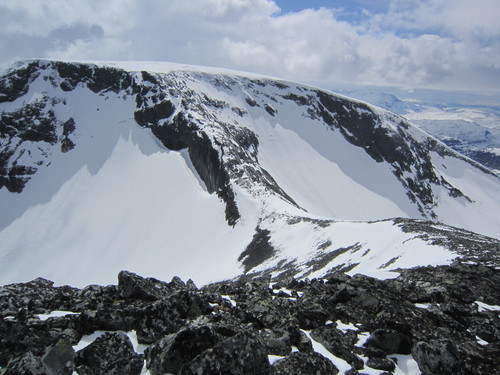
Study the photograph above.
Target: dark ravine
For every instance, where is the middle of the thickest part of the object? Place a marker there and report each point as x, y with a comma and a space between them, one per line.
434, 314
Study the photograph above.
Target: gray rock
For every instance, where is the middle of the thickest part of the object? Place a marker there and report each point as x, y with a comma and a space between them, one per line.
174, 351
169, 315
263, 320
27, 363
60, 358
338, 343
277, 342
131, 285
300, 340
112, 354
242, 354
300, 363
383, 364
311, 317
437, 357
390, 341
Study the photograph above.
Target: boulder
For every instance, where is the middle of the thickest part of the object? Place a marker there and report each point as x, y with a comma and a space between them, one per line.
390, 341
112, 354
311, 317
59, 359
242, 354
340, 344
300, 363
300, 340
232, 323
383, 364
278, 342
170, 314
171, 353
437, 357
26, 363
131, 285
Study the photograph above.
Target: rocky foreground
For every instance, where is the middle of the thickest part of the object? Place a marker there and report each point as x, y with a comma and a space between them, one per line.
443, 319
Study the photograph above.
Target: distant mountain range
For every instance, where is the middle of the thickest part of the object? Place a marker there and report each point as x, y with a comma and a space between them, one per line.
472, 130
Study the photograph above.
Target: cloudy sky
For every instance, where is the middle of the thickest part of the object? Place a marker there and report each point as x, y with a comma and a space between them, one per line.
444, 44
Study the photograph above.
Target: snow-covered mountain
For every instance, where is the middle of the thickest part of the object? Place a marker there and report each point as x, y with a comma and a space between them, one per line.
167, 169
472, 130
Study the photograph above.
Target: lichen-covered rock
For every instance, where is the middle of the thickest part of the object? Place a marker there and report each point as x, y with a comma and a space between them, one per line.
278, 342
131, 285
437, 357
171, 353
242, 354
26, 363
111, 353
383, 364
341, 344
59, 359
390, 341
17, 338
170, 314
311, 317
300, 363
232, 326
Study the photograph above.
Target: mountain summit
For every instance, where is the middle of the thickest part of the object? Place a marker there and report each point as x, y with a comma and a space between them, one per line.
168, 169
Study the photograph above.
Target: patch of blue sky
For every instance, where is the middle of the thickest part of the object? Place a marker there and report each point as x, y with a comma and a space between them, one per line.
353, 11
359, 12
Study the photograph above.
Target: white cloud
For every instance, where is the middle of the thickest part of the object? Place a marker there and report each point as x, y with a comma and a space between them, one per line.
438, 43
460, 18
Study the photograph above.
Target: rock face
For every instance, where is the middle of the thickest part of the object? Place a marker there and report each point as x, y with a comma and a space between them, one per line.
446, 319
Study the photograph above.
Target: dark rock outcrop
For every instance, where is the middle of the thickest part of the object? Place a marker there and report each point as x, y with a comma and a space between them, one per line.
436, 315
241, 354
173, 352
59, 359
340, 344
258, 250
390, 341
300, 363
111, 353
437, 357
131, 285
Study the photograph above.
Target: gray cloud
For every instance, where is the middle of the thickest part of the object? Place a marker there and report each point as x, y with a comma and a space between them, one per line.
68, 34
431, 43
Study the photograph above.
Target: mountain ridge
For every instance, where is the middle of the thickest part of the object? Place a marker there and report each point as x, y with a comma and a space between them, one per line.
287, 160
469, 129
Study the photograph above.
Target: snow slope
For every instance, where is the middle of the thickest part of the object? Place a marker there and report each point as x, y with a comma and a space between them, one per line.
118, 200
206, 174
